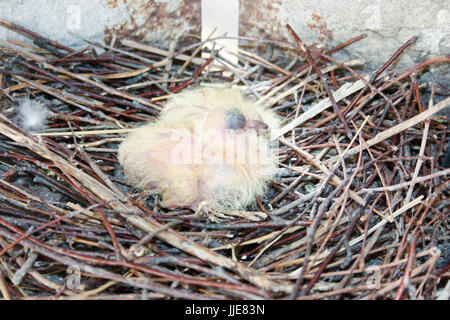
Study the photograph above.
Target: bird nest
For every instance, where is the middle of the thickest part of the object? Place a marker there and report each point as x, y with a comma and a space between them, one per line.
359, 209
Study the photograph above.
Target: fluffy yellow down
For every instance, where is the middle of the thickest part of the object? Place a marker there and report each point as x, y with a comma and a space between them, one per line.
189, 156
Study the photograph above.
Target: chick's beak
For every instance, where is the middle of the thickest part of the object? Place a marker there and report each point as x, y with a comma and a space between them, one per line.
260, 126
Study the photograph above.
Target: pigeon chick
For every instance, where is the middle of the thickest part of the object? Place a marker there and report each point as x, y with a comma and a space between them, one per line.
208, 149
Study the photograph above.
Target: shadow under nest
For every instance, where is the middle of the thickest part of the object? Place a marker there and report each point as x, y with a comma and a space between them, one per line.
359, 209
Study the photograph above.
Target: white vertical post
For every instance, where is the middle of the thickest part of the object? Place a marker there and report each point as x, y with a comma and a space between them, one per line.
223, 15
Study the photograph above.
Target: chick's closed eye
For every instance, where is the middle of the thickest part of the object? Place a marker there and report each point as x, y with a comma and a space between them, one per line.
235, 119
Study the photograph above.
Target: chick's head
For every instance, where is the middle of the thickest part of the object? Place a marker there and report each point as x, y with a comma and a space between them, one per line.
207, 145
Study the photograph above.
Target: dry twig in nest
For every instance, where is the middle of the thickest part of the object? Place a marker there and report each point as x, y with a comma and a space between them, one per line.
359, 210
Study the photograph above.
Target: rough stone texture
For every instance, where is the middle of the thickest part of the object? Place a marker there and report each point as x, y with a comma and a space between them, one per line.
155, 21
387, 24
158, 21
55, 19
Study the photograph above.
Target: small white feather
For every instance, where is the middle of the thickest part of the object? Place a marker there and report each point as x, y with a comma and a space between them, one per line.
31, 115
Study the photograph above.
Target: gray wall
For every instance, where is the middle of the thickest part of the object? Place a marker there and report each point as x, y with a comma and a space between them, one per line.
387, 24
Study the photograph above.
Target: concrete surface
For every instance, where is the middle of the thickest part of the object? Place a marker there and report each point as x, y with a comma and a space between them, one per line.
387, 24
56, 18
